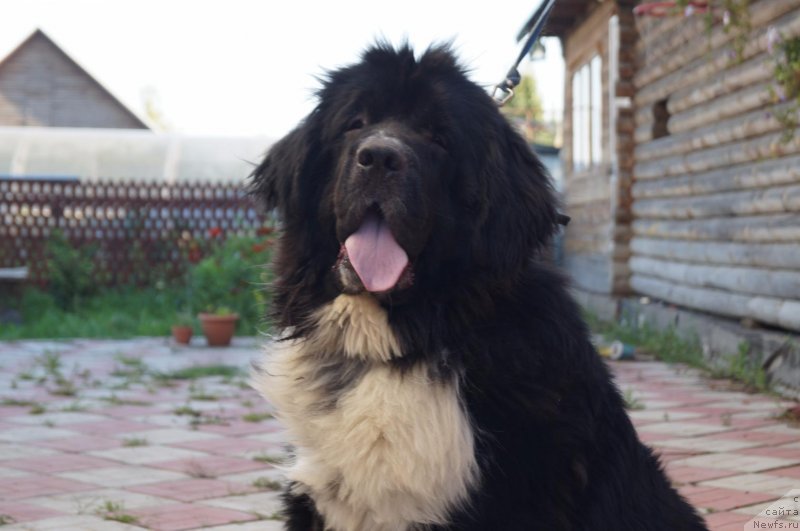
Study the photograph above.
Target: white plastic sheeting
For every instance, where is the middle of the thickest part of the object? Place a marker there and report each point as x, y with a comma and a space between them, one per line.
126, 154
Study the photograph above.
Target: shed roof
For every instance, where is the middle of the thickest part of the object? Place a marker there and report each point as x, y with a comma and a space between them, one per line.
567, 15
39, 36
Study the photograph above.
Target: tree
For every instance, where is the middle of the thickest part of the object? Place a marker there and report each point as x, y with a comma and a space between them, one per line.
525, 109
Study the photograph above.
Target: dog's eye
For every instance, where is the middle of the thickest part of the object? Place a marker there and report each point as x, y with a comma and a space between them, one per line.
439, 139
355, 123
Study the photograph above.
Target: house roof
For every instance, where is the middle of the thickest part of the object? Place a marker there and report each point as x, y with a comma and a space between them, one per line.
39, 35
567, 15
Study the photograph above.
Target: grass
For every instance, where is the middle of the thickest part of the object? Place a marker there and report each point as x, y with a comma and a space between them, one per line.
119, 314
115, 511
267, 484
256, 417
267, 458
202, 371
668, 346
632, 403
14, 402
134, 442
6, 519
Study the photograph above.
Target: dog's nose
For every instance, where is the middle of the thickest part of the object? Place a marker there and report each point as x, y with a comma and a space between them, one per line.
380, 155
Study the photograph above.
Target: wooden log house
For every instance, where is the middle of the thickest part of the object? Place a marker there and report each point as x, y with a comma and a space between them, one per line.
681, 178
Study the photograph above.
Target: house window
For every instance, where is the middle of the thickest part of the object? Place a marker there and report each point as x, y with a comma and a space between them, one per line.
587, 115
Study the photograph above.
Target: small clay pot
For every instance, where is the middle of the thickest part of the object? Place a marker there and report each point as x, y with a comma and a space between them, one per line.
218, 329
182, 334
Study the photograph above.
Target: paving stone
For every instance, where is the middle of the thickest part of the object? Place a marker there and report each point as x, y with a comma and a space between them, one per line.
72, 523
766, 483
88, 502
179, 516
704, 444
34, 433
719, 499
247, 478
260, 525
29, 486
79, 443
150, 454
262, 503
60, 418
683, 429
20, 451
211, 466
23, 512
738, 462
171, 436
189, 490
58, 463
232, 446
122, 476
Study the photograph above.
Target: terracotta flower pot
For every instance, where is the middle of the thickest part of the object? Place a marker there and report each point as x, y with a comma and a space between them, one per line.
182, 334
218, 329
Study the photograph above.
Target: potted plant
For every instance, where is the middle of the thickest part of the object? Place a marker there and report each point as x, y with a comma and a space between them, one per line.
182, 329
218, 326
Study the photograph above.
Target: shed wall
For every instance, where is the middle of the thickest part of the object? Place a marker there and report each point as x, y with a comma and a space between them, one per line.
716, 197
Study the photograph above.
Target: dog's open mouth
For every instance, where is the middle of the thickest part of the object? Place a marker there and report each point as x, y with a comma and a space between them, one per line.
373, 253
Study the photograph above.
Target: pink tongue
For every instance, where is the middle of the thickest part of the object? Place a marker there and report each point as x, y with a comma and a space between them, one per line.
376, 256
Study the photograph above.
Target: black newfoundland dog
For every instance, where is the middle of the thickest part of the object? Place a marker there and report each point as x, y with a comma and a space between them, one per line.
432, 371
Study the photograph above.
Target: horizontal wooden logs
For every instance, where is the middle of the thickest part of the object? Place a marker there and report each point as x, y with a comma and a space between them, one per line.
697, 73
670, 44
747, 202
725, 106
755, 123
783, 284
781, 312
753, 229
768, 255
761, 174
768, 146
756, 71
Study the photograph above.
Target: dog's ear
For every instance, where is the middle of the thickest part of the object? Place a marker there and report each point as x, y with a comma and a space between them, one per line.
274, 182
518, 211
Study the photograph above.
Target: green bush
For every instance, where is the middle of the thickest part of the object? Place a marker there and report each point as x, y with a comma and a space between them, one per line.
233, 276
69, 271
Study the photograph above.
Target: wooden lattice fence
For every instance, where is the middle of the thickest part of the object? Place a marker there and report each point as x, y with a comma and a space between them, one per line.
134, 231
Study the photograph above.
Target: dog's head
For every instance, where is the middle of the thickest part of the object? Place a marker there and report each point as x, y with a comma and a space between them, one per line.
405, 177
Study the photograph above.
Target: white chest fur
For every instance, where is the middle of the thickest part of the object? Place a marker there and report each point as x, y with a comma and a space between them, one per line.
394, 449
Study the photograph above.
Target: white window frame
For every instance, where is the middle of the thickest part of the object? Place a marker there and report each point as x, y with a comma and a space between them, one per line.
587, 115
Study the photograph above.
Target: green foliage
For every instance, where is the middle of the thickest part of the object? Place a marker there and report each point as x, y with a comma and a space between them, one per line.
526, 102
202, 371
231, 278
69, 271
666, 344
787, 89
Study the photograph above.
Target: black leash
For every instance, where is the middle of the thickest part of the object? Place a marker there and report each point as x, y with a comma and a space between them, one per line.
504, 91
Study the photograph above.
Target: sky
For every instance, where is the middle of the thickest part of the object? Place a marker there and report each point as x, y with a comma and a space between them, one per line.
248, 67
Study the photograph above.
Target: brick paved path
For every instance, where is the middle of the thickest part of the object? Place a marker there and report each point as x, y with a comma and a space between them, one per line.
100, 435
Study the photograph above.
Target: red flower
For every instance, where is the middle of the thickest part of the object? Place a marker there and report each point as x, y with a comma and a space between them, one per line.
265, 231
214, 232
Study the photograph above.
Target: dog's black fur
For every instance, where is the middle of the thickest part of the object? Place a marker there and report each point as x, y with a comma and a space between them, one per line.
473, 208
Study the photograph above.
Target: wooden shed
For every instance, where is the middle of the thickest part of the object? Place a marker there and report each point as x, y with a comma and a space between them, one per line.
598, 41
40, 85
682, 169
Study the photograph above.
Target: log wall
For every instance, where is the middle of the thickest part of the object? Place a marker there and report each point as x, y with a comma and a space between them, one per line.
716, 193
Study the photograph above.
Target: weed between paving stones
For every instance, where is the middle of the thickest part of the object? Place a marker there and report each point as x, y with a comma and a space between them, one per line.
267, 484
115, 511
